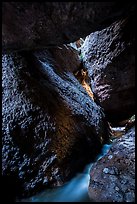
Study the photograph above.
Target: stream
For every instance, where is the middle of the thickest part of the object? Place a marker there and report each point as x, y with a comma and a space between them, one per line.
76, 190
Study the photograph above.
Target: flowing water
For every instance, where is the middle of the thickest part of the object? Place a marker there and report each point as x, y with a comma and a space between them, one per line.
76, 190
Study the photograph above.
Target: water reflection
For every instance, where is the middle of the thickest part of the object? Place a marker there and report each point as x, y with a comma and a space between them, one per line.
76, 190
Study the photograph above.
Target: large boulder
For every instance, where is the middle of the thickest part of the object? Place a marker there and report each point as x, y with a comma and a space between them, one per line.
112, 178
51, 126
109, 56
31, 25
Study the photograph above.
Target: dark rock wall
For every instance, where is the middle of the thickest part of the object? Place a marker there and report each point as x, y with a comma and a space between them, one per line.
109, 56
51, 127
31, 25
112, 178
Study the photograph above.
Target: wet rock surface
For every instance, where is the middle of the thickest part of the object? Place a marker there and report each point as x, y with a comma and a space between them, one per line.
38, 24
50, 125
112, 178
109, 56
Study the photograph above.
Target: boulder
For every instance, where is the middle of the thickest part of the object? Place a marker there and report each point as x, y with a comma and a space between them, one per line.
32, 25
51, 126
109, 57
112, 178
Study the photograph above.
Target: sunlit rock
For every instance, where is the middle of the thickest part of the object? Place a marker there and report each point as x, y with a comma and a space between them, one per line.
109, 56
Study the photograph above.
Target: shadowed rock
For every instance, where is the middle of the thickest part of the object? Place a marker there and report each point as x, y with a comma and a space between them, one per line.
112, 178
109, 56
32, 25
51, 127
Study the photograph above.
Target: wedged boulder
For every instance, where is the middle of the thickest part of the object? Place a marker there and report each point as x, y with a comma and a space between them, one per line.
109, 56
112, 178
31, 25
51, 127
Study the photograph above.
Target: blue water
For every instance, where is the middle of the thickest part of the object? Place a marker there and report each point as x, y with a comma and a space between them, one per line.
76, 190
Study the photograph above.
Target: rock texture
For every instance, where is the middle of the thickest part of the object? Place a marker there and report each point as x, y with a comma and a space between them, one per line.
38, 24
112, 178
51, 127
109, 56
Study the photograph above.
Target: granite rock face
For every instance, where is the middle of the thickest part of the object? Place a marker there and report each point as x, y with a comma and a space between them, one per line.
32, 25
51, 127
109, 56
112, 178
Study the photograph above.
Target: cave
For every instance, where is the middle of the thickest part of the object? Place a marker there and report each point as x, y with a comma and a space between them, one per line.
68, 101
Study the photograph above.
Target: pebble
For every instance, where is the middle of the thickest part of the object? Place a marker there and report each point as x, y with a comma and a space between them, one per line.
106, 170
116, 188
110, 157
